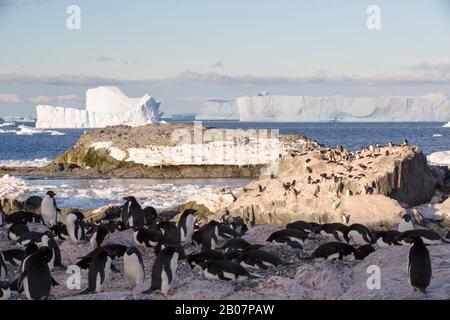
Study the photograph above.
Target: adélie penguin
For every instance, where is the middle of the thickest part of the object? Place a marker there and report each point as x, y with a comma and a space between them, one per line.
99, 271
132, 215
258, 259
225, 270
292, 237
358, 234
333, 251
164, 270
75, 226
195, 259
100, 236
429, 237
186, 225
115, 250
49, 209
387, 238
419, 266
133, 266
35, 279
16, 230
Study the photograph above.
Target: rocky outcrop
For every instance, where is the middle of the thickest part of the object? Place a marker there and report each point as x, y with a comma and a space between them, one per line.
320, 184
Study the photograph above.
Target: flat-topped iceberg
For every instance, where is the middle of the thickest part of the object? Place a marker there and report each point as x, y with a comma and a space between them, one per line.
265, 107
105, 106
217, 109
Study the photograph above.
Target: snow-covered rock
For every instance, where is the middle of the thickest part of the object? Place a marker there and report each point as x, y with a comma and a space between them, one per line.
265, 107
441, 158
218, 110
105, 106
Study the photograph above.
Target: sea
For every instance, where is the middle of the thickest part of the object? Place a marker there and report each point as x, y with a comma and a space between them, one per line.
23, 145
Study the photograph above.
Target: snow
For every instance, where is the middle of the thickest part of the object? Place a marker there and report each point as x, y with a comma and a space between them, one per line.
105, 106
440, 158
25, 163
218, 110
264, 107
95, 193
261, 151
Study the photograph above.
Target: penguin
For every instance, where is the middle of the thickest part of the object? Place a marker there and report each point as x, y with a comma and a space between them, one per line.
363, 251
16, 230
49, 209
186, 225
29, 237
99, 271
196, 258
148, 237
419, 266
100, 236
358, 234
238, 225
23, 217
132, 215
3, 268
115, 249
238, 244
164, 270
60, 231
304, 226
35, 279
14, 256
292, 237
75, 226
133, 266
206, 237
5, 291
406, 223
334, 231
428, 237
171, 232
47, 240
225, 232
258, 259
333, 250
150, 215
225, 270
387, 238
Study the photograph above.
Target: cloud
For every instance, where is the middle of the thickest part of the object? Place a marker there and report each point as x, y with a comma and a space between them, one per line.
104, 59
440, 68
10, 98
421, 74
217, 65
59, 99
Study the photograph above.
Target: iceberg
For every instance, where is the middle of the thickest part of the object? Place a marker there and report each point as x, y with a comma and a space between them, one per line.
263, 107
105, 106
217, 109
447, 125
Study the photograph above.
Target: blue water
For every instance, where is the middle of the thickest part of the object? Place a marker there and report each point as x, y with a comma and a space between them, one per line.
350, 135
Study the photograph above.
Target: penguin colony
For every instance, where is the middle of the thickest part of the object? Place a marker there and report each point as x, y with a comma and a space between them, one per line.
220, 252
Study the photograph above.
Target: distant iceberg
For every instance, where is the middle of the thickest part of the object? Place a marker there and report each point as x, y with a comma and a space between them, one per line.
447, 125
272, 108
105, 106
217, 109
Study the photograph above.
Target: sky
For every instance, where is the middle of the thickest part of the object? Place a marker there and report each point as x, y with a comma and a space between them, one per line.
183, 52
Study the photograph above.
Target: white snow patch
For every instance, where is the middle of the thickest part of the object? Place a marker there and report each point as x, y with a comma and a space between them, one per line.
441, 158
29, 131
25, 163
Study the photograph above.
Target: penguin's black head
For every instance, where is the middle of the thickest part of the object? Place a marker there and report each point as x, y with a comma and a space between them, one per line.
31, 248
51, 194
363, 251
130, 199
132, 250
49, 234
190, 211
407, 217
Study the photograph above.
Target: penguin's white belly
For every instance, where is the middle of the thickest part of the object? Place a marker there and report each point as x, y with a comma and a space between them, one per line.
213, 243
2, 273
431, 242
165, 285
356, 237
326, 234
381, 243
333, 256
405, 226
98, 283
133, 270
51, 263
26, 288
93, 241
245, 265
300, 241
190, 222
229, 275
48, 211
340, 236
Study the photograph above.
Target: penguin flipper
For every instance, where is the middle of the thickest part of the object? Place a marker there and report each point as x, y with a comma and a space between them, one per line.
254, 276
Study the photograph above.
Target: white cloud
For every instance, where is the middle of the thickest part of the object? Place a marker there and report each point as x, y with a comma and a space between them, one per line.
59, 99
10, 98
